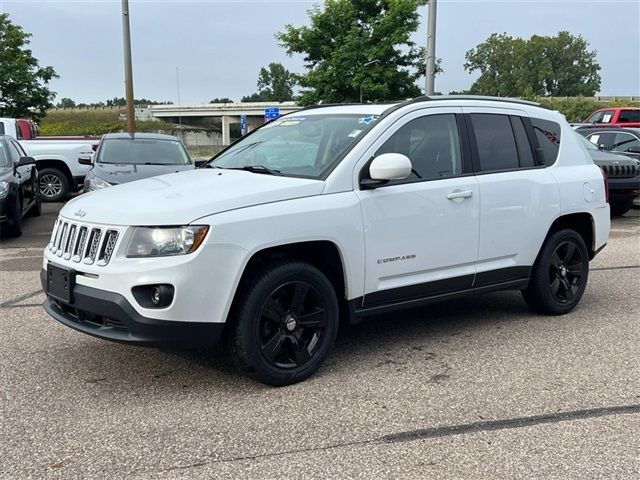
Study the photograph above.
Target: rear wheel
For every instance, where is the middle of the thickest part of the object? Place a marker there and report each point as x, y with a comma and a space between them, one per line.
620, 207
560, 274
284, 323
54, 185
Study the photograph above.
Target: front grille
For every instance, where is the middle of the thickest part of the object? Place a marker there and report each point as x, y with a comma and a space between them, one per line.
620, 171
83, 243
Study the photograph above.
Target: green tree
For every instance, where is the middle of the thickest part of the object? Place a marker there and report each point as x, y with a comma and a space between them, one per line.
275, 83
221, 100
24, 84
66, 102
558, 65
254, 97
343, 36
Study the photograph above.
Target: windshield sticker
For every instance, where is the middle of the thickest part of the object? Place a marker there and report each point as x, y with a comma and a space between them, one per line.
296, 119
606, 119
368, 120
355, 133
288, 123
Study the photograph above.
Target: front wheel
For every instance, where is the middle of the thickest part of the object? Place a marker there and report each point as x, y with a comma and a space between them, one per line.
560, 274
284, 323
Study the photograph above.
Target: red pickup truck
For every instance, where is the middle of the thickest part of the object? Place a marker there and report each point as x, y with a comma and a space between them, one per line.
622, 116
29, 130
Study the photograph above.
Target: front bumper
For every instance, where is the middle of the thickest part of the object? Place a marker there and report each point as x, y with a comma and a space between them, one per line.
110, 316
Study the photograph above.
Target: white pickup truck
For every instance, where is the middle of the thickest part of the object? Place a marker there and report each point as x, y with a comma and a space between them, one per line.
57, 161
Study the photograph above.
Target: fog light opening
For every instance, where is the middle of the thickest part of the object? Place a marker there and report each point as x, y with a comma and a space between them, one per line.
154, 296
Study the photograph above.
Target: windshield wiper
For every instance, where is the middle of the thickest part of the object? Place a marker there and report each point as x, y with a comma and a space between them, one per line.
257, 169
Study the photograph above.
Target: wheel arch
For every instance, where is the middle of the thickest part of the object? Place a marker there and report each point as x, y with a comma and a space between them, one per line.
57, 164
325, 255
583, 223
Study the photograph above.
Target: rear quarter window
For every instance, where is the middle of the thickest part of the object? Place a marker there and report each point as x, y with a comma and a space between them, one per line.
629, 116
548, 135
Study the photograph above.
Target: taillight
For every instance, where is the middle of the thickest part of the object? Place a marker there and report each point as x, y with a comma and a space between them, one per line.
605, 179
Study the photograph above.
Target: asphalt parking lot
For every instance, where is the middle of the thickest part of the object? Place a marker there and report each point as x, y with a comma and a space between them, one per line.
480, 388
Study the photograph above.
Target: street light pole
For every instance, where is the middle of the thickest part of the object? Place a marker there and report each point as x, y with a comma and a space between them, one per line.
431, 49
366, 65
128, 69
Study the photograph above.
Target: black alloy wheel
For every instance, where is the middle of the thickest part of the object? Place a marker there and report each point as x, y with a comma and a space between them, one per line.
565, 272
559, 275
292, 322
283, 322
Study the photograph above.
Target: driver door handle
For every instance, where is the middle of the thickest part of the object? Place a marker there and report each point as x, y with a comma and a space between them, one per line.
459, 194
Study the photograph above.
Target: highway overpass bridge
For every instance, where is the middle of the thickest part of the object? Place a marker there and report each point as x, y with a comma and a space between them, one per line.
222, 113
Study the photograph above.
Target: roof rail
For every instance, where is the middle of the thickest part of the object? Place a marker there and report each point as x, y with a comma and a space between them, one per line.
476, 97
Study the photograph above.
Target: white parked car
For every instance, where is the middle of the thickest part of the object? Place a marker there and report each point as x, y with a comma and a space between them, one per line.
329, 215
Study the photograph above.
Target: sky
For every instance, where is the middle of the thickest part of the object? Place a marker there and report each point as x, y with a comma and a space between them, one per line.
218, 46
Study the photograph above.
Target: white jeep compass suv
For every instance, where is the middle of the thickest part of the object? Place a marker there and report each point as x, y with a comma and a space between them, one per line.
328, 215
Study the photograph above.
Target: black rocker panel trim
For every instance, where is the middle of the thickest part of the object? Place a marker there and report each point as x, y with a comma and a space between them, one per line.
511, 278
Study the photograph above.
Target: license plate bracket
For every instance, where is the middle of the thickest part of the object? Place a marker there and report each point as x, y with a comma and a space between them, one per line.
60, 282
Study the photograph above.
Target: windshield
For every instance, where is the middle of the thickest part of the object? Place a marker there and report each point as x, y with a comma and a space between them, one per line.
305, 146
587, 144
4, 156
142, 151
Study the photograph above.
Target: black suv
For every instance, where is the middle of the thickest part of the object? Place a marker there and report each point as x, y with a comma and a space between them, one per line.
19, 193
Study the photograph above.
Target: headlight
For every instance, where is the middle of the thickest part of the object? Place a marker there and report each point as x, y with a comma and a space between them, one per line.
97, 183
4, 189
164, 241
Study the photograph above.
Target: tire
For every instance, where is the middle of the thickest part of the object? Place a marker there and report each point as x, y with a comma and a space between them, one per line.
13, 226
560, 274
53, 185
283, 323
621, 207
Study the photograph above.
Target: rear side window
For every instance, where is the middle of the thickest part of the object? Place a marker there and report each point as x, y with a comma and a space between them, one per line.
496, 143
548, 135
1, 128
628, 116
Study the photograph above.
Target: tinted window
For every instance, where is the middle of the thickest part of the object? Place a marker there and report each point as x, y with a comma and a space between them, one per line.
525, 155
604, 116
622, 142
15, 153
1, 128
548, 135
628, 116
4, 156
432, 144
19, 147
496, 143
139, 151
601, 139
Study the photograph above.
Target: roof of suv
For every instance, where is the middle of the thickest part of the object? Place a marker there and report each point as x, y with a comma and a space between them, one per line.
381, 108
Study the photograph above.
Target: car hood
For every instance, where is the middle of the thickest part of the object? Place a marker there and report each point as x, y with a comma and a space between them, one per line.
181, 198
601, 157
117, 173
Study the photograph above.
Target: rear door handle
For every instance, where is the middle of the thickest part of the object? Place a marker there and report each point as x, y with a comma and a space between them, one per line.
459, 194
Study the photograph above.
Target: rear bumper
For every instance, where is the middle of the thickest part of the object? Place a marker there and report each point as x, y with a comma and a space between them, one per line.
110, 316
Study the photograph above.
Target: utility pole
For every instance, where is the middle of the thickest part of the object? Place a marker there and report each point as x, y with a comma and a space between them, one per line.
128, 69
179, 104
431, 50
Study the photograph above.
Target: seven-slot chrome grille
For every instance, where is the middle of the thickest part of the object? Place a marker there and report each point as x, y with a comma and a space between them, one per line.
83, 243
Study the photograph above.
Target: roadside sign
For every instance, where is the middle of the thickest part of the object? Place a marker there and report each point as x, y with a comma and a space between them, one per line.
243, 124
271, 113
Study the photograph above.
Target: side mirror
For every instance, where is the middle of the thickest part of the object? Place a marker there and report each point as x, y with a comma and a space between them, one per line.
26, 161
85, 159
390, 166
200, 162
633, 149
